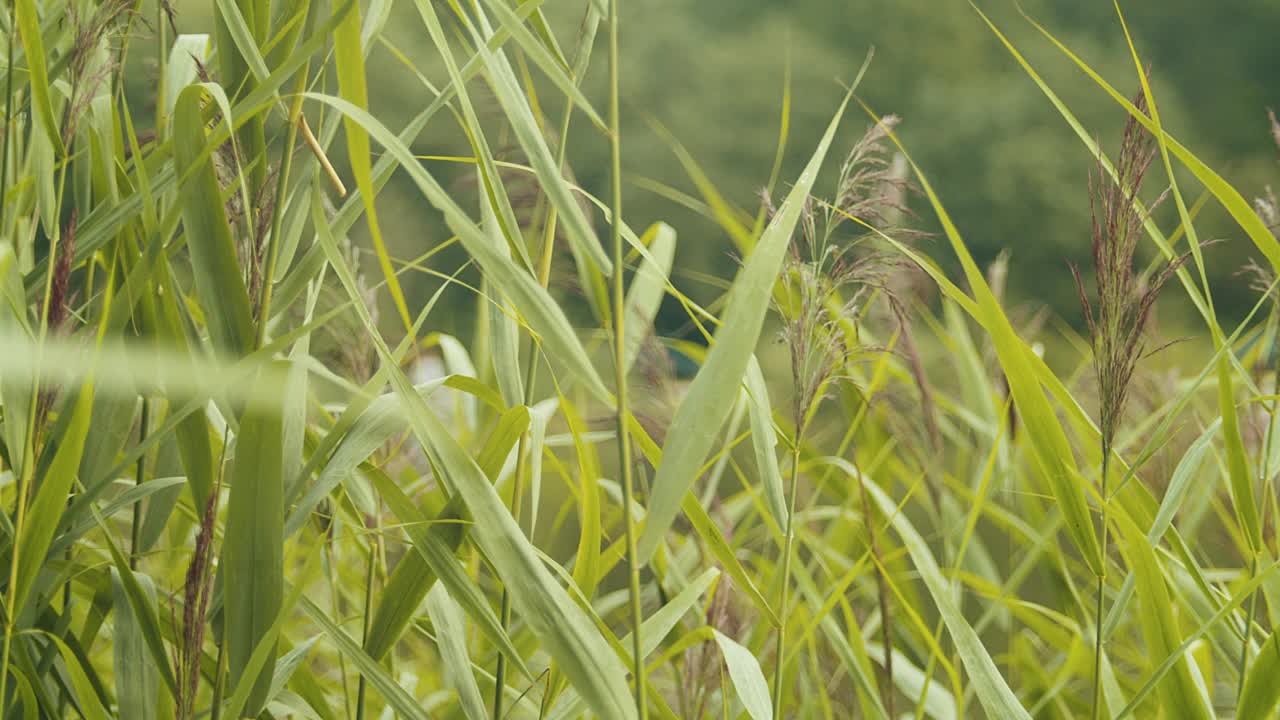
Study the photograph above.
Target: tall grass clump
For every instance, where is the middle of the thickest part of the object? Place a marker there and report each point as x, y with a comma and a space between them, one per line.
1117, 316
273, 447
828, 282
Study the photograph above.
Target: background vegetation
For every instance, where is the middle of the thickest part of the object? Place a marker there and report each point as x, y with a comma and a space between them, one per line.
1008, 166
487, 359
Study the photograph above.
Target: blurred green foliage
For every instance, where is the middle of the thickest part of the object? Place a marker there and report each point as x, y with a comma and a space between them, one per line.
1013, 174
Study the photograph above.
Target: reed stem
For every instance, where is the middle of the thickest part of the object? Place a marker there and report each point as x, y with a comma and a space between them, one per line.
620, 370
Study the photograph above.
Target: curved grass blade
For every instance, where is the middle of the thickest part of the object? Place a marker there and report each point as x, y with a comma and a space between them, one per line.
411, 580
349, 57
126, 499
913, 683
86, 699
372, 428
181, 69
436, 544
263, 658
748, 680
648, 287
551, 65
1261, 691
763, 441
289, 663
706, 529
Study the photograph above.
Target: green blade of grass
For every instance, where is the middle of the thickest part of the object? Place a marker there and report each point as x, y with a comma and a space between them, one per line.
567, 634
655, 629
410, 581
1180, 696
289, 663
993, 692
524, 125
45, 513
218, 280
543, 315
706, 529
252, 549
764, 440
28, 22
376, 674
648, 287
550, 65
714, 390
242, 53
1261, 691
372, 429
586, 568
87, 702
138, 688
145, 616
451, 638
82, 523
731, 219
262, 661
349, 56
748, 679
436, 544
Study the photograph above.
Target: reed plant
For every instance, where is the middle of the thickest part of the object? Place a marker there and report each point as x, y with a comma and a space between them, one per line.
244, 472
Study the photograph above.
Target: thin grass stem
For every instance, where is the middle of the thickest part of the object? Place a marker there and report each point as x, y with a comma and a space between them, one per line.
787, 551
1099, 639
619, 363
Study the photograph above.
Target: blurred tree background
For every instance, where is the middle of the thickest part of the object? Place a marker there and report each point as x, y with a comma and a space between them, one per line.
1008, 167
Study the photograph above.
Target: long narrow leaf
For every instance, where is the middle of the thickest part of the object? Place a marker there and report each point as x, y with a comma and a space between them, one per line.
715, 389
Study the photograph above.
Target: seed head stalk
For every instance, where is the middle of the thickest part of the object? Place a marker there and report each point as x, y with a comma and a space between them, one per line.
1100, 600
820, 328
1117, 318
619, 364
787, 552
